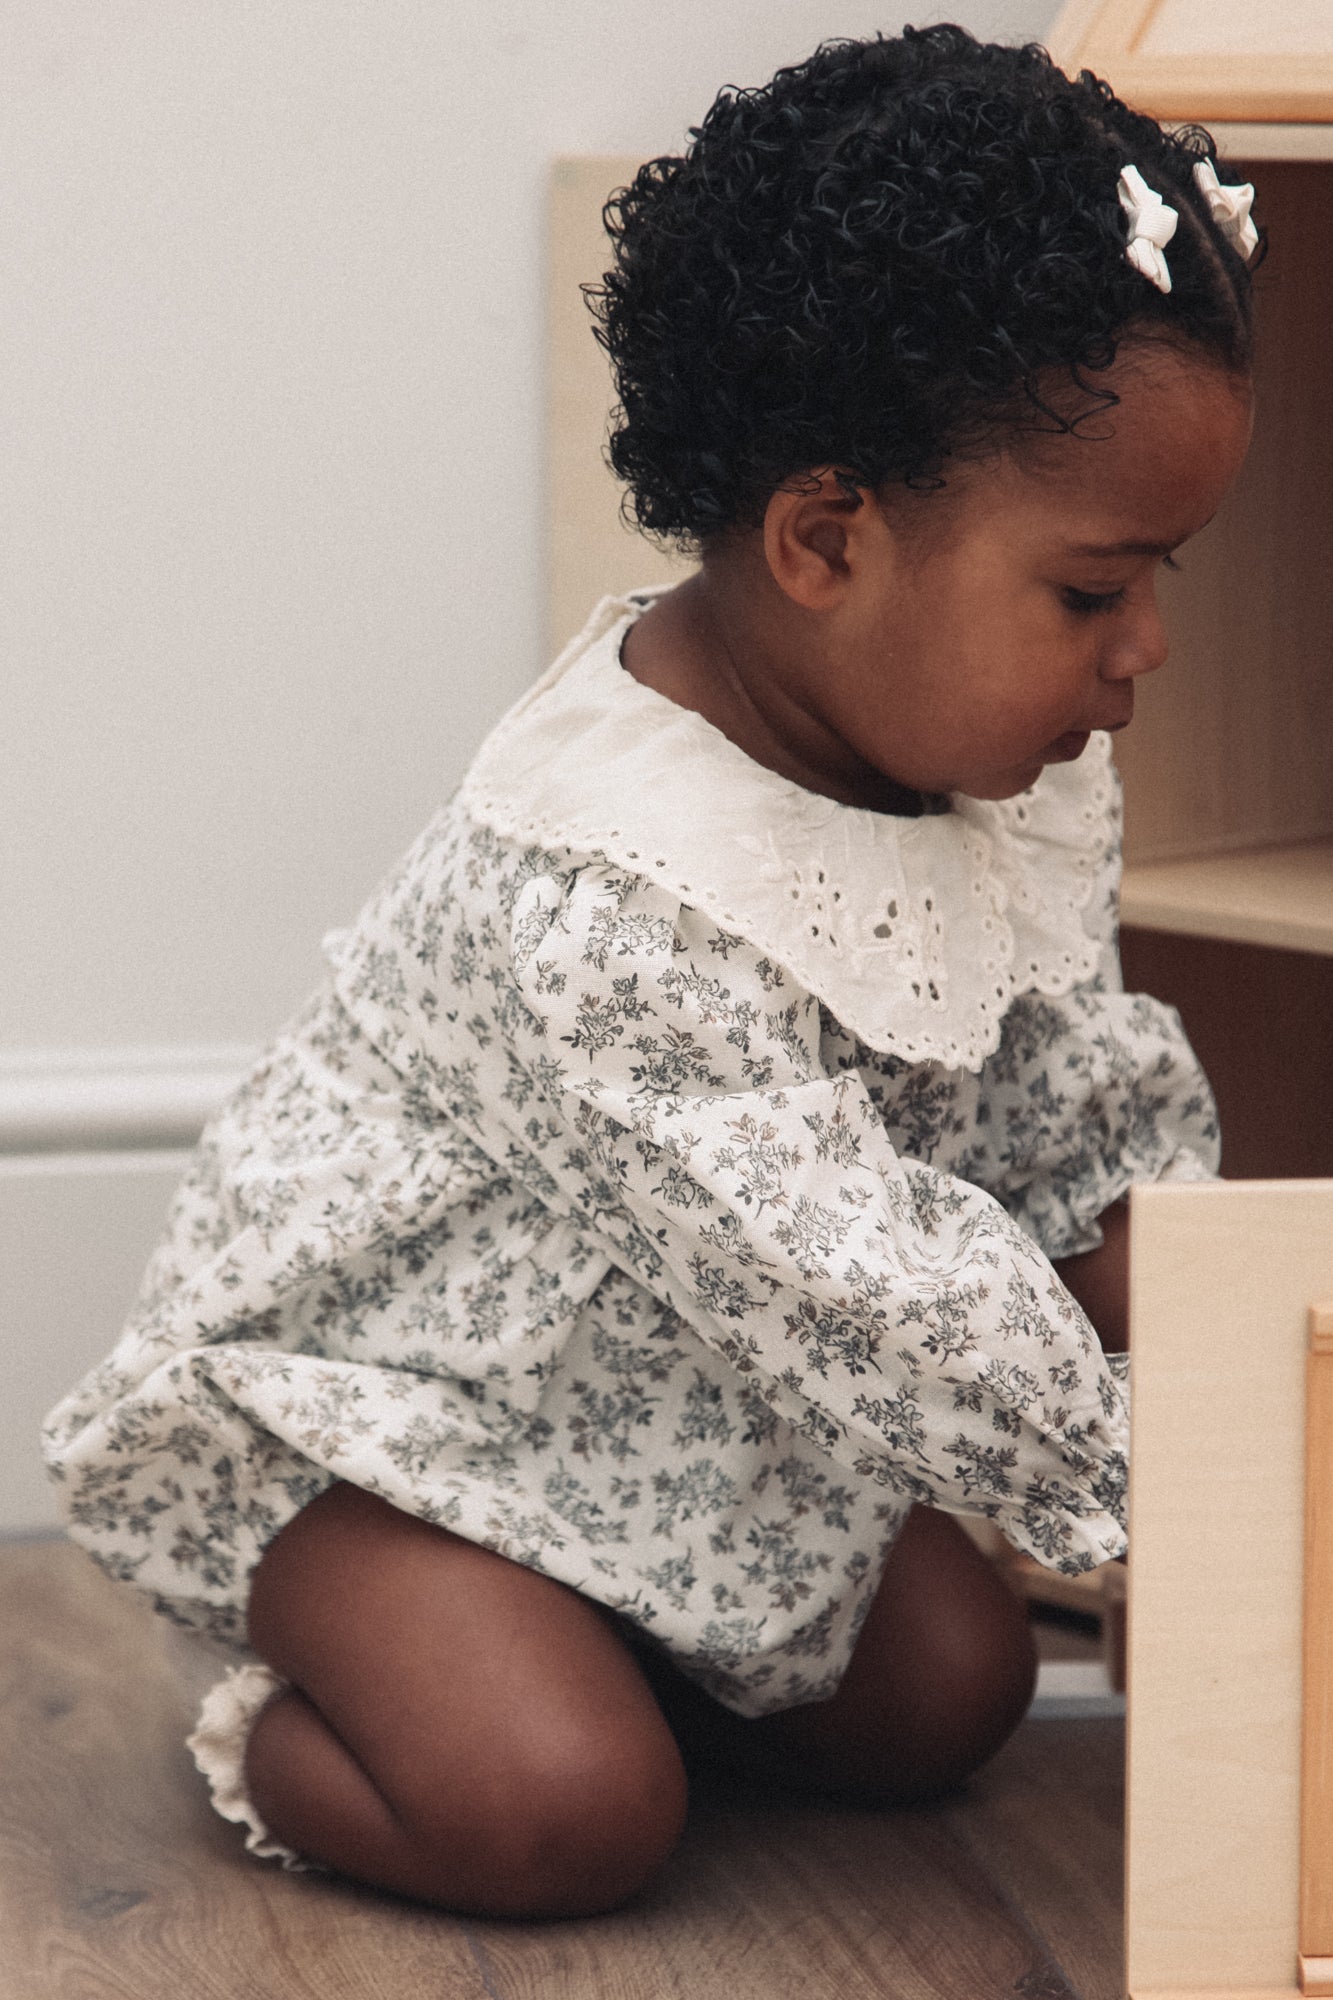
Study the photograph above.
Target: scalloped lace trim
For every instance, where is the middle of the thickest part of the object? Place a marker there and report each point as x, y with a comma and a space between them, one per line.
226, 1717
917, 933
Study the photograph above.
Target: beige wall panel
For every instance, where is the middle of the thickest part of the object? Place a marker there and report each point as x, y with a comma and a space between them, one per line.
591, 549
1223, 1277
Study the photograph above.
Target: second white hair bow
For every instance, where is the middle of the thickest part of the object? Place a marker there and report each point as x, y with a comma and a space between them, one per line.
1229, 208
1152, 224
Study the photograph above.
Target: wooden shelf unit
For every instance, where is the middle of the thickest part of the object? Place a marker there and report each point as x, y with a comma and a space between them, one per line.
1227, 903
1278, 896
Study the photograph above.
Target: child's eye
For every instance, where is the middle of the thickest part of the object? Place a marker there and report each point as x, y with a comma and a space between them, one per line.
1095, 603
1091, 603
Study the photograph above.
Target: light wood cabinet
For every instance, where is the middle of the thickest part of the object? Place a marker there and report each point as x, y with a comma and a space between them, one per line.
1224, 1278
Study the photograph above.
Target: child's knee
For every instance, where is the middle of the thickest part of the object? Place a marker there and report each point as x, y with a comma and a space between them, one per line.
984, 1681
575, 1822
947, 1715
942, 1674
554, 1818
526, 1779
970, 1674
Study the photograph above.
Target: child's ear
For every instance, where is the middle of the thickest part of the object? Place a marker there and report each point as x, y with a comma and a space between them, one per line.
812, 533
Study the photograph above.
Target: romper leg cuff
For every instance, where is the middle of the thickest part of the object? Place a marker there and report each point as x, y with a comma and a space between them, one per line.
226, 1717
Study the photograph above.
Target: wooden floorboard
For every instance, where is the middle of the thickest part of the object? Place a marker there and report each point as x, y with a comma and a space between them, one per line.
1046, 1822
118, 1882
765, 1900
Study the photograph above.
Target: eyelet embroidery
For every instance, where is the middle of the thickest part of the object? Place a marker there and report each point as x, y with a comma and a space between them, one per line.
790, 871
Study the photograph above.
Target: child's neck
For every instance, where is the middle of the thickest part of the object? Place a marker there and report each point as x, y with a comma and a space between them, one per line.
719, 644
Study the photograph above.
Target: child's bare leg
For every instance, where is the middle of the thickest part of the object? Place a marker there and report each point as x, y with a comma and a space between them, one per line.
474, 1734
942, 1673
466, 1730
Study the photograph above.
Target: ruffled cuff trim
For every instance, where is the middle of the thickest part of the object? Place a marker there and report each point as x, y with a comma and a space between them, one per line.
1090, 1529
1068, 1225
226, 1717
1077, 1541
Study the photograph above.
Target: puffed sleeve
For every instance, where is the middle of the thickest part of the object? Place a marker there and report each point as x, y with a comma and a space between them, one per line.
1090, 1093
898, 1316
1086, 1096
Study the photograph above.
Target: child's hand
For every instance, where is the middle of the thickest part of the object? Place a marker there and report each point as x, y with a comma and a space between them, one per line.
1099, 1280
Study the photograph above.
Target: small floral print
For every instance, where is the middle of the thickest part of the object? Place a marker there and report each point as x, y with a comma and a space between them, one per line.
568, 1219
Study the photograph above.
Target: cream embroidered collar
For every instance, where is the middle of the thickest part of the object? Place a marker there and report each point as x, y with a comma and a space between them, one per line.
916, 933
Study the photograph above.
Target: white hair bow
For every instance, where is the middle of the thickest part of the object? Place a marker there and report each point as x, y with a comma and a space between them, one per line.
1229, 208
1152, 224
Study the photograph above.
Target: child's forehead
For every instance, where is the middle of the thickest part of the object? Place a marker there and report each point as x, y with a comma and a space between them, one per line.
1137, 476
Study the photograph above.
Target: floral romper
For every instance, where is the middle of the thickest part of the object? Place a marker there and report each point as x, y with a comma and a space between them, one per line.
660, 1191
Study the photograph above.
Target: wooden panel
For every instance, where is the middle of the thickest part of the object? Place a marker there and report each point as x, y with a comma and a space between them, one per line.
1069, 31
1260, 1024
1222, 1279
1182, 59
1317, 1746
590, 549
1230, 747
1216, 1993
1279, 896
1280, 89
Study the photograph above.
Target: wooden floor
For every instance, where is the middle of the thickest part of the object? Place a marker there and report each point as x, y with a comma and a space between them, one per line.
118, 1882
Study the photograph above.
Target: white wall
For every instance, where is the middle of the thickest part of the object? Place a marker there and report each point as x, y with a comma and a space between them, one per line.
270, 376
269, 530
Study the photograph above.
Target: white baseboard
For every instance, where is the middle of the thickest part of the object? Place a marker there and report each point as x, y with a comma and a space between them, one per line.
98, 1099
76, 1231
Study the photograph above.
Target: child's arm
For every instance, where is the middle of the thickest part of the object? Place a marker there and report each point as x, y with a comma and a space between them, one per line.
898, 1317
1099, 1279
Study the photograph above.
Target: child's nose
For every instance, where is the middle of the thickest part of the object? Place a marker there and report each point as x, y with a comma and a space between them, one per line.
1139, 644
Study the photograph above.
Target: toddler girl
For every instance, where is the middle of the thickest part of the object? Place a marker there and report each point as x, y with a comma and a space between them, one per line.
703, 1166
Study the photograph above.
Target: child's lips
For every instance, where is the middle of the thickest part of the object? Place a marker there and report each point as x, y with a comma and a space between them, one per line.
1075, 741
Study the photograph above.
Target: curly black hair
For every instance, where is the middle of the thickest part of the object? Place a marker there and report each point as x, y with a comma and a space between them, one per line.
874, 262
